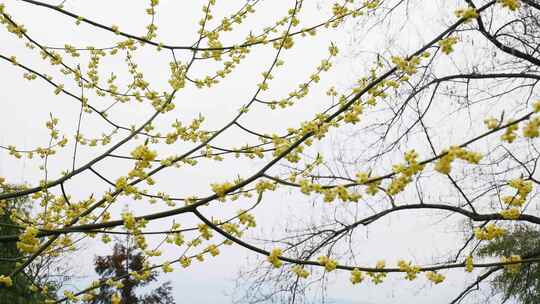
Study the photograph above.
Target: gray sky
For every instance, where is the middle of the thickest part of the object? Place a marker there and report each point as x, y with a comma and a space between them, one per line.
420, 237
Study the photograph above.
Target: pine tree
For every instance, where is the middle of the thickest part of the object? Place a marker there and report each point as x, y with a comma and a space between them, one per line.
22, 291
123, 260
522, 284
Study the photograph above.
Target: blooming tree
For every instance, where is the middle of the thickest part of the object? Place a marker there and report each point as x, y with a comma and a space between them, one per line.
445, 121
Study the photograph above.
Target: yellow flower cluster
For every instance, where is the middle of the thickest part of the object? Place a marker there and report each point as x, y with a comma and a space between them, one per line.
407, 66
51, 125
213, 249
447, 44
129, 221
205, 231
372, 4
510, 135
467, 14
352, 116
246, 219
178, 239
178, 75
167, 267
512, 268
122, 184
356, 276
444, 165
329, 194
13, 151
378, 277
523, 189
328, 263
116, 298
333, 49
282, 144
531, 129
406, 172
510, 4
536, 106
221, 189
232, 229
363, 179
135, 226
300, 271
17, 29
262, 186
469, 264
6, 281
410, 270
105, 238
112, 283
143, 153
287, 42
185, 133
141, 276
511, 214
490, 232
273, 258
144, 156
318, 127
70, 296
435, 277
28, 242
339, 10
185, 262
491, 123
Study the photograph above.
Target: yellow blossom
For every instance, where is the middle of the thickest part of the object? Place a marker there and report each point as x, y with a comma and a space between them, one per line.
444, 164
6, 281
510, 135
356, 276
531, 130
185, 262
167, 267
512, 268
491, 123
510, 4
435, 277
378, 277
447, 44
467, 14
491, 231
536, 106
410, 270
116, 298
300, 271
511, 214
221, 189
214, 251
328, 263
28, 242
273, 258
469, 266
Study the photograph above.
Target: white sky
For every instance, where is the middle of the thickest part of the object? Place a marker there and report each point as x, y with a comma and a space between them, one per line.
26, 106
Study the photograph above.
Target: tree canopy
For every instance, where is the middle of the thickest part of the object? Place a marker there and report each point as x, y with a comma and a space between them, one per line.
123, 260
287, 129
23, 289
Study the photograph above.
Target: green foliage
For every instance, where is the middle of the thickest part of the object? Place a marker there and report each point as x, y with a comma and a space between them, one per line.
123, 260
20, 292
523, 285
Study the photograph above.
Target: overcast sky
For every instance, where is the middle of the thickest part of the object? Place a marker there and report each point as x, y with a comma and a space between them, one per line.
26, 106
